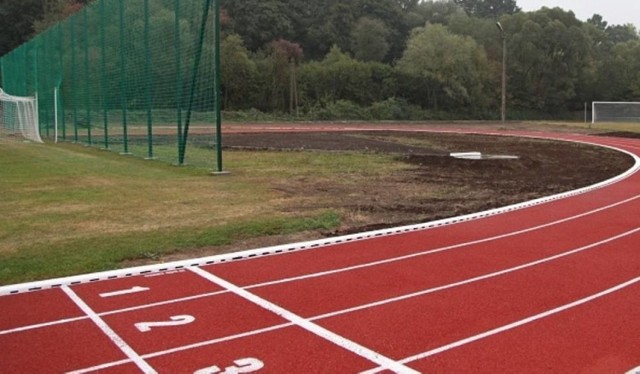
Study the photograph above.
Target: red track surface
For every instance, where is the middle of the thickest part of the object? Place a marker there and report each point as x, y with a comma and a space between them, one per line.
552, 286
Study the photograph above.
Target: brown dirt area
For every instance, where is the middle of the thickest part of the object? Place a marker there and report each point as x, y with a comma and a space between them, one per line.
543, 168
434, 185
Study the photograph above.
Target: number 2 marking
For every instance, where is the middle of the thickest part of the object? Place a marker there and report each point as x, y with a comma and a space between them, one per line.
243, 365
175, 321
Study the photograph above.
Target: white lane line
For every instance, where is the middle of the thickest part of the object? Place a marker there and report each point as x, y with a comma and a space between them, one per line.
634, 371
513, 325
42, 325
100, 367
128, 291
112, 335
161, 303
364, 306
377, 358
442, 249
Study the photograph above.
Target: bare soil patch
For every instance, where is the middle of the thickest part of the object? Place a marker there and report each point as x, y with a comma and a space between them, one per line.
435, 185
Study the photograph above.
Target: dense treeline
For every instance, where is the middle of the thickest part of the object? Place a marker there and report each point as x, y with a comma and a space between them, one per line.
408, 59
433, 59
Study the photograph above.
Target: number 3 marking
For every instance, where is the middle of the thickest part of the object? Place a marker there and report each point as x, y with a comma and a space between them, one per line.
175, 321
243, 365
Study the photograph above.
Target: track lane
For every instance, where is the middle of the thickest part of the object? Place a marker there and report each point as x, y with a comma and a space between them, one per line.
341, 290
571, 336
419, 323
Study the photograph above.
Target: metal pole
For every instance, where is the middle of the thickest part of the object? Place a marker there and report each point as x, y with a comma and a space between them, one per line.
147, 73
503, 106
123, 86
87, 100
178, 52
218, 91
103, 73
74, 89
55, 113
503, 112
194, 76
63, 121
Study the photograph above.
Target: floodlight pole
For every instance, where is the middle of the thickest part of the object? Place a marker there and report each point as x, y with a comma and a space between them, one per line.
503, 108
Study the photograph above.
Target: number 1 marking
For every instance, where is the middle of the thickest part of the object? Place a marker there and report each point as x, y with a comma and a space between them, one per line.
124, 292
175, 321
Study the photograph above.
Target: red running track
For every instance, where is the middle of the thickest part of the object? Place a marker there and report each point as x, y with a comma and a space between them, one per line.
546, 286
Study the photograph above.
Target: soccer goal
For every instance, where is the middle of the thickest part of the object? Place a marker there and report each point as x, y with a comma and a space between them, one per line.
610, 111
18, 118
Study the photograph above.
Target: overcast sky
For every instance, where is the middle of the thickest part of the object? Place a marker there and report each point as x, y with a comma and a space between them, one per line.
615, 12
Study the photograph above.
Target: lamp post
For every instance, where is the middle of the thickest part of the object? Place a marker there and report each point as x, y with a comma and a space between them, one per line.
503, 110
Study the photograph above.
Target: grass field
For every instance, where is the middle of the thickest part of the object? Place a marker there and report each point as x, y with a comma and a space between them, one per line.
68, 209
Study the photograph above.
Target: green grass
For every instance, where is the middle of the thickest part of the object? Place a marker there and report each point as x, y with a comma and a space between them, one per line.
89, 254
69, 209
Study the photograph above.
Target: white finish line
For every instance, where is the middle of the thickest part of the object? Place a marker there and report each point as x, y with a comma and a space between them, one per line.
384, 362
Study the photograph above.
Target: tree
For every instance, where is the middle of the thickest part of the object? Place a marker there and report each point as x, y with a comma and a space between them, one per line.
259, 21
408, 5
618, 74
16, 22
438, 11
238, 73
369, 40
456, 64
621, 33
56, 11
488, 8
598, 22
289, 54
549, 54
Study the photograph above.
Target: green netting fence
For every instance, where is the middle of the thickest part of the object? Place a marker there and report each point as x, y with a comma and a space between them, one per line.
139, 77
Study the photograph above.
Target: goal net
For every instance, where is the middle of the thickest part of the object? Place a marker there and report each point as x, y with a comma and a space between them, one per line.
608, 111
18, 118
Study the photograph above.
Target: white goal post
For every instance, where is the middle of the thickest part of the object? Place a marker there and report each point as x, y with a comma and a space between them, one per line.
19, 117
615, 111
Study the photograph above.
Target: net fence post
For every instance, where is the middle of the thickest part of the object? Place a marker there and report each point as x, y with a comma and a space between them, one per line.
196, 69
87, 95
178, 88
55, 114
103, 76
74, 80
217, 91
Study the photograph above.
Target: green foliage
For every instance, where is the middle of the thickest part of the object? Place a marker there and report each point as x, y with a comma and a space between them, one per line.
488, 8
456, 64
369, 40
17, 18
259, 22
238, 73
339, 77
548, 56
